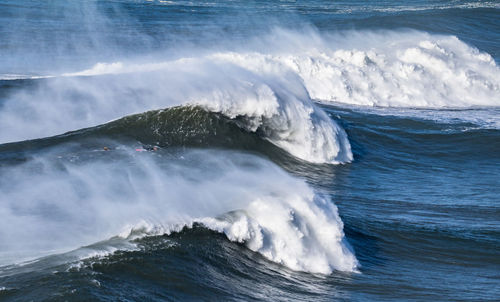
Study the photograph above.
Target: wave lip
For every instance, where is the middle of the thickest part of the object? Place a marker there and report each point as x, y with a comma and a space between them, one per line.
304, 234
288, 120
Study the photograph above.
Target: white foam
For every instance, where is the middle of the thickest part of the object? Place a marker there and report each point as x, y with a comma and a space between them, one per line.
12, 77
275, 104
249, 199
302, 232
389, 69
272, 84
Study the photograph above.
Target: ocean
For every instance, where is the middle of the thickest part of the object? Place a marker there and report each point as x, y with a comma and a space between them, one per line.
249, 150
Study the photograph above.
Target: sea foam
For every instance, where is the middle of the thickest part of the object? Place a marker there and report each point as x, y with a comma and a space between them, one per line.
390, 69
276, 105
271, 85
77, 203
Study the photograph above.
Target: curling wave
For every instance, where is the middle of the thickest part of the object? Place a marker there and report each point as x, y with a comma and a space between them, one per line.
190, 126
126, 195
277, 107
271, 86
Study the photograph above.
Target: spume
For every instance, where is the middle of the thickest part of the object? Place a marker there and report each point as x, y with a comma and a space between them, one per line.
391, 69
270, 85
276, 105
78, 202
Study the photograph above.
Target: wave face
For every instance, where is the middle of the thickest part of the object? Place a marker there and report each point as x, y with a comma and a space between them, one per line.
276, 105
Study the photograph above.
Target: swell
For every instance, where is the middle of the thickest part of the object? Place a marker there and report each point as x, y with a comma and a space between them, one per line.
458, 135
176, 127
424, 180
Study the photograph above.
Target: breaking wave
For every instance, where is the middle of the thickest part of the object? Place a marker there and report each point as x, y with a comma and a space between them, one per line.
125, 195
255, 98
271, 85
391, 69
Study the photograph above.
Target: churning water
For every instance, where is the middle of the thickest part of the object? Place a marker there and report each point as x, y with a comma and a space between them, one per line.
249, 150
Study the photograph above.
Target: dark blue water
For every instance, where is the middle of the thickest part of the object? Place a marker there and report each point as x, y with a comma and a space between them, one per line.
249, 150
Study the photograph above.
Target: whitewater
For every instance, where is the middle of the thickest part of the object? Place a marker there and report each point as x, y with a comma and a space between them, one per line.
389, 69
273, 93
298, 228
203, 151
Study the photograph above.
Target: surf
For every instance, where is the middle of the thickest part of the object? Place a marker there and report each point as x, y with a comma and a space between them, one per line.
82, 199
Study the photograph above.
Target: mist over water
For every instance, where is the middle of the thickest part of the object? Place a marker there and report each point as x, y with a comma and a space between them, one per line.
80, 199
313, 150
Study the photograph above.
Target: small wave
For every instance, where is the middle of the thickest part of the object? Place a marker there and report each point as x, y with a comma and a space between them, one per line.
13, 77
466, 5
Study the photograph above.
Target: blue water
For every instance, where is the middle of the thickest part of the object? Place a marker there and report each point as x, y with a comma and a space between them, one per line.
249, 150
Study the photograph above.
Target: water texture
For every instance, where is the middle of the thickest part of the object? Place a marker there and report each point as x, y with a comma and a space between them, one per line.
249, 150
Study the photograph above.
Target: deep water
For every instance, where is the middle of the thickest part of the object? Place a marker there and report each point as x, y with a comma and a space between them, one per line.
249, 150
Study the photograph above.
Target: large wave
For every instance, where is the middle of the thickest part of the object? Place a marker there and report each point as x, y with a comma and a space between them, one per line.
276, 105
392, 69
267, 90
271, 82
82, 198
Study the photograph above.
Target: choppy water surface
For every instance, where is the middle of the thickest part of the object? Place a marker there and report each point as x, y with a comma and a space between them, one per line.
263, 150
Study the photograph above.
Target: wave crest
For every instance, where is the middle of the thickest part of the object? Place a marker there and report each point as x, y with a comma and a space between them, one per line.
391, 69
82, 200
270, 89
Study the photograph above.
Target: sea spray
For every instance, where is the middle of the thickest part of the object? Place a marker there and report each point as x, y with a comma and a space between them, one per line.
272, 83
85, 198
